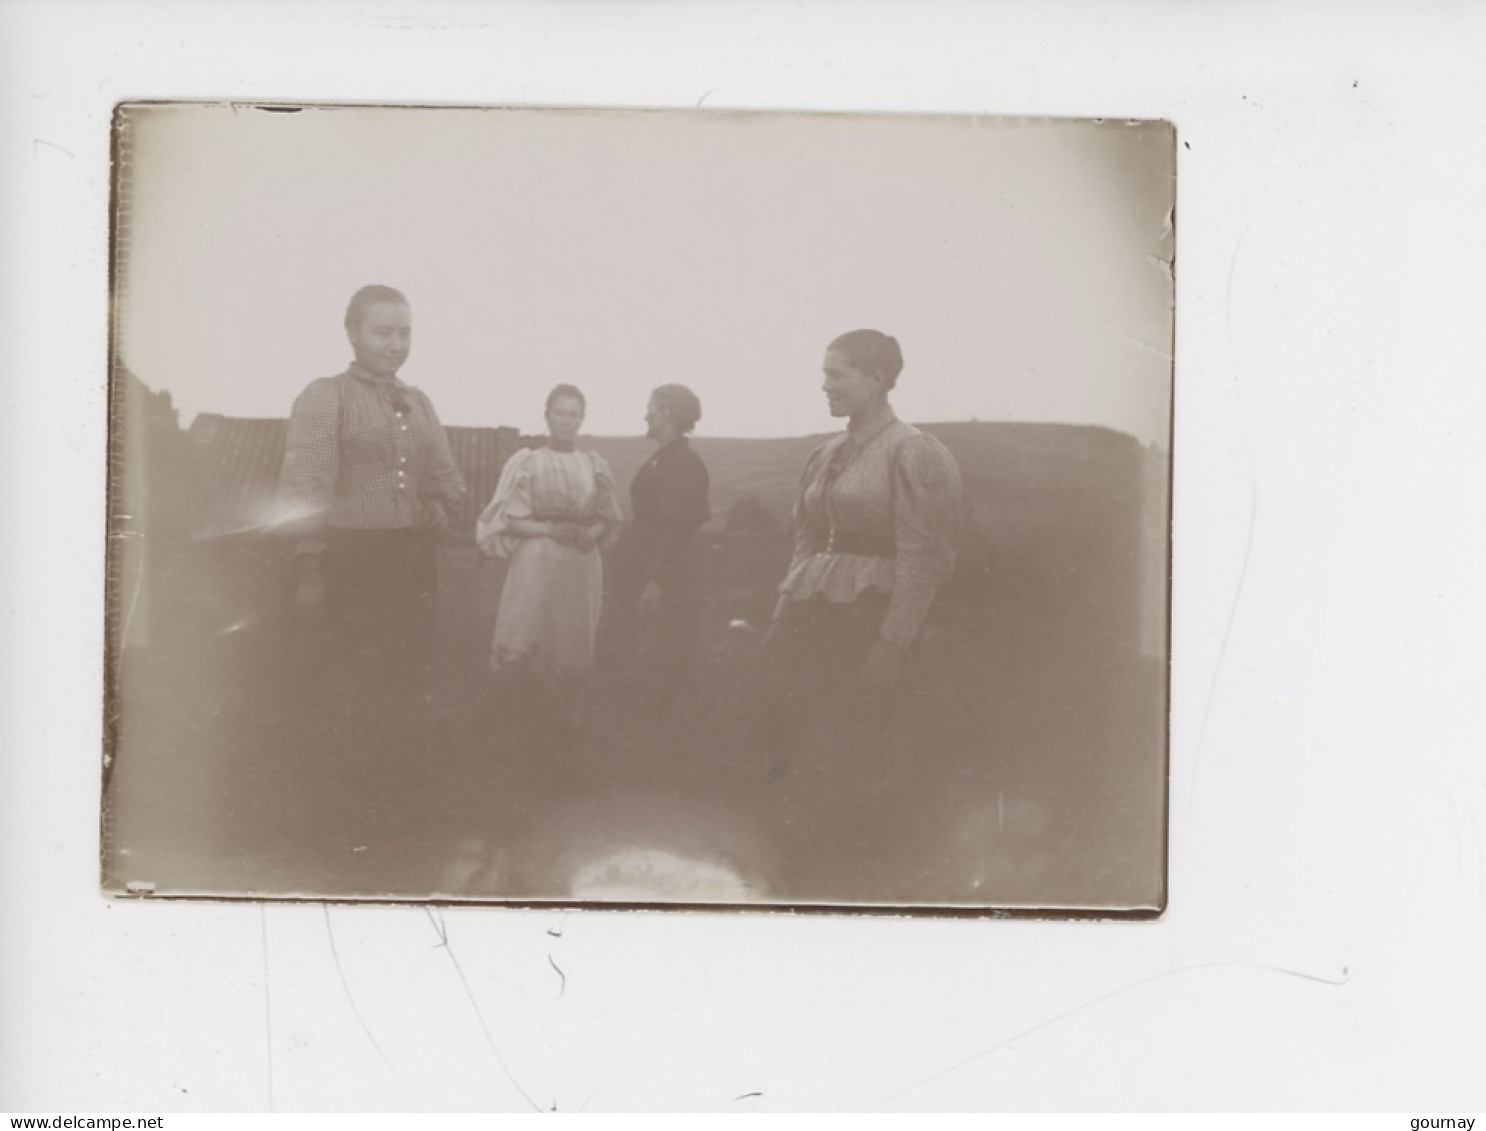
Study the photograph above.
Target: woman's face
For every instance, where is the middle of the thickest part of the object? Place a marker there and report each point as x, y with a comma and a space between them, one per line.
657, 416
383, 337
849, 390
564, 419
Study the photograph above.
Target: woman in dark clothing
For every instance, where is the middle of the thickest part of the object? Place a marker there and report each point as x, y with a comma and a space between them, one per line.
669, 497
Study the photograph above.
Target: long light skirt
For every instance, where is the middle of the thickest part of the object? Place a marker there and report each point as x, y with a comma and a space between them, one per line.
549, 609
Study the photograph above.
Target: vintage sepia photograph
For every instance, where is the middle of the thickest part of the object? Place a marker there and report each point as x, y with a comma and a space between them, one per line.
619, 507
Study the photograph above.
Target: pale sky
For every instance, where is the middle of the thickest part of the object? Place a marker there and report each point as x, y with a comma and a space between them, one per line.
1020, 263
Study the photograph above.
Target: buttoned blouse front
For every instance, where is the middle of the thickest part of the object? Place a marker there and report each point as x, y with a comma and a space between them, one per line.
364, 453
900, 488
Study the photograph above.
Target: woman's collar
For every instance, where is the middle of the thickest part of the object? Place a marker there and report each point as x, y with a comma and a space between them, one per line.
355, 370
861, 434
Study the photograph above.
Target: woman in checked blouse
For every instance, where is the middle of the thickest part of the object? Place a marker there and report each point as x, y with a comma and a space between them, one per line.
877, 526
369, 481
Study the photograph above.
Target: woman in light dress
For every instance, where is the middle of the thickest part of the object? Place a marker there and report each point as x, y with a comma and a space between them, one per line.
553, 510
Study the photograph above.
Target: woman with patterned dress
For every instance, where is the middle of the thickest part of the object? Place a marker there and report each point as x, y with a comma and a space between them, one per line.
553, 509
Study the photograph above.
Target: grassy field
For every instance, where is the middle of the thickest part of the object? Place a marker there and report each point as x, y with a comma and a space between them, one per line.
1013, 474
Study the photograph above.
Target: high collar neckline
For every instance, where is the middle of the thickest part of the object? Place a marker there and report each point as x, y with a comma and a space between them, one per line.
356, 371
867, 434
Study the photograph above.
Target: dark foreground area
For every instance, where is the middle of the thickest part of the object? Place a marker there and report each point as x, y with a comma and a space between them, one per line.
1024, 767
1023, 764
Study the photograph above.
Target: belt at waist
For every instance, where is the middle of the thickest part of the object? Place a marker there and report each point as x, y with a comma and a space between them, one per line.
861, 543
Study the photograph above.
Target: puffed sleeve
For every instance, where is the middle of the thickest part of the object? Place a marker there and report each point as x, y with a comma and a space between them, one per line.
311, 463
512, 500
926, 522
606, 498
441, 481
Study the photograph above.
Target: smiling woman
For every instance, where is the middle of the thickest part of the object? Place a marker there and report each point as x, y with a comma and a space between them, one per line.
877, 529
380, 327
877, 521
369, 480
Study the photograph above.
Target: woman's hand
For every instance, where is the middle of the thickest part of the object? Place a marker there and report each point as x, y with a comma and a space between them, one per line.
572, 534
883, 666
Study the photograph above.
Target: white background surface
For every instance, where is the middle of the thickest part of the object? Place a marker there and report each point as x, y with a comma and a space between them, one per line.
1328, 839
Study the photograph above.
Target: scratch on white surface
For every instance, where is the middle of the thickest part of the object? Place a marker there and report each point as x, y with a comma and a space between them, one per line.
597, 1088
356, 1010
1243, 570
38, 142
448, 949
439, 926
1100, 1000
